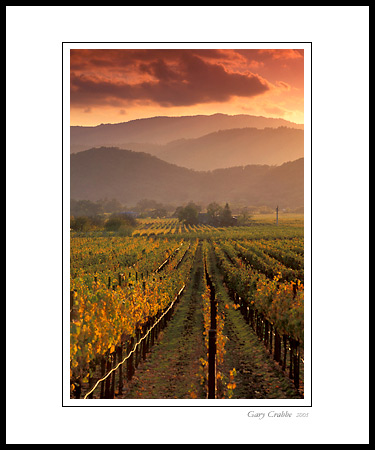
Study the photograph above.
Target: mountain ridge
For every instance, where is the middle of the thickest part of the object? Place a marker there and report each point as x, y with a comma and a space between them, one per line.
164, 129
131, 176
235, 147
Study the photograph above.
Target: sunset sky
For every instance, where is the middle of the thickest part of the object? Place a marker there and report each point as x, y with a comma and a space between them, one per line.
111, 86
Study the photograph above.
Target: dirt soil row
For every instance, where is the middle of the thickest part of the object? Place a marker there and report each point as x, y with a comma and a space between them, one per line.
173, 368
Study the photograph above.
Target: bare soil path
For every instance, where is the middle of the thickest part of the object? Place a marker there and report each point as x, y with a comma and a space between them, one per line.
257, 374
172, 368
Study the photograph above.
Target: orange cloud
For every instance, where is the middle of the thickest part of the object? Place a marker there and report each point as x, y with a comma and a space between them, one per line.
282, 53
107, 84
283, 85
168, 78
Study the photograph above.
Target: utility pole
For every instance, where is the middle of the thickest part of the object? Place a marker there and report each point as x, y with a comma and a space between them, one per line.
277, 215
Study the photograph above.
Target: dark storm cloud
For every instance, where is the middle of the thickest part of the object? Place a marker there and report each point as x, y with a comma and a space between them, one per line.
165, 77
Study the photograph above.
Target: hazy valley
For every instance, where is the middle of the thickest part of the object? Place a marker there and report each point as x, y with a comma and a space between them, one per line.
241, 159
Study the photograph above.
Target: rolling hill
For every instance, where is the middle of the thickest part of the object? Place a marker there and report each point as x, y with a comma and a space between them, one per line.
158, 131
132, 176
236, 147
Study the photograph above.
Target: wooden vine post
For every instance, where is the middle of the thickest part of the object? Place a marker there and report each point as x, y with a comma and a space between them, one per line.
212, 340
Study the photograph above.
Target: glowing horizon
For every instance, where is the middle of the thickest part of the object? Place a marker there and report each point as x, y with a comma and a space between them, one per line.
120, 85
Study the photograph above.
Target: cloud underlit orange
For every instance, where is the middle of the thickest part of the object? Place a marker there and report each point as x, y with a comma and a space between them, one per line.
109, 86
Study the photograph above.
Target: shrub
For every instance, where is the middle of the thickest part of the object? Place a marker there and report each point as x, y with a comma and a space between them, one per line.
121, 223
80, 223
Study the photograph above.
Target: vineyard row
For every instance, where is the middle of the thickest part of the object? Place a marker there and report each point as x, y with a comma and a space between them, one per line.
120, 291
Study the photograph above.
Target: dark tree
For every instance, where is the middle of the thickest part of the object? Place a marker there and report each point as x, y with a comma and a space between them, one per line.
214, 211
226, 218
189, 214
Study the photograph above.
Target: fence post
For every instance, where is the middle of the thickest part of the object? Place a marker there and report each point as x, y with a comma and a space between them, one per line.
112, 392
276, 355
107, 393
152, 331
271, 334
296, 366
285, 351
129, 361
102, 375
211, 363
291, 358
137, 350
144, 347
120, 370
251, 317
266, 336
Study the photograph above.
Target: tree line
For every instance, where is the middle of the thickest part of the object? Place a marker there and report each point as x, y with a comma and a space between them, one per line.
216, 215
109, 215
144, 208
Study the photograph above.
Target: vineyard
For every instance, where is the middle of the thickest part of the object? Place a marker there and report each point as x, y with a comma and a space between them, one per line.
176, 311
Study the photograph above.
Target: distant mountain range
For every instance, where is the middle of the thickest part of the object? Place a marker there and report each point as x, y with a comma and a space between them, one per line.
130, 176
235, 147
200, 142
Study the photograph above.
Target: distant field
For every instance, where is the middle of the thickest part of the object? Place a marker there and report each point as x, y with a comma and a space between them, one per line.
284, 218
173, 226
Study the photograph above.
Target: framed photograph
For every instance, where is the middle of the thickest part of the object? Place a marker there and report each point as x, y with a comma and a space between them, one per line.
187, 188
